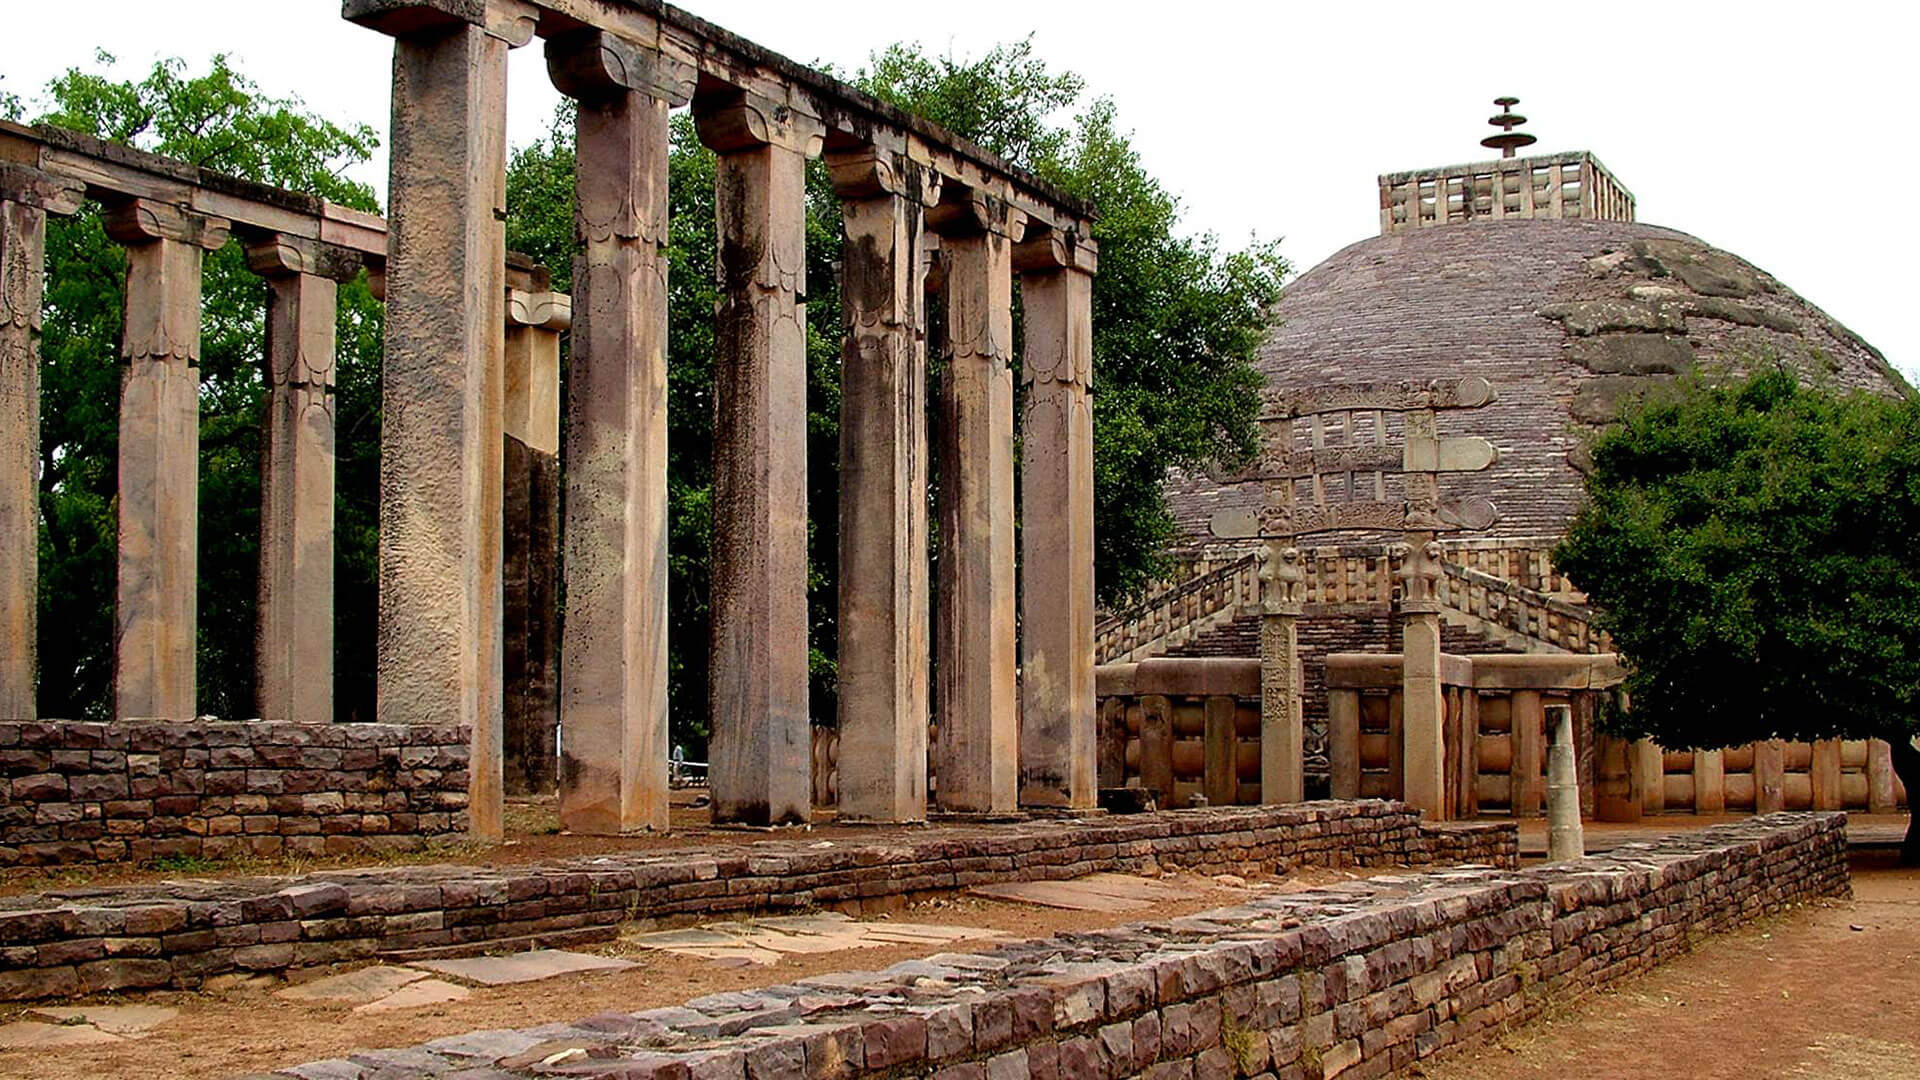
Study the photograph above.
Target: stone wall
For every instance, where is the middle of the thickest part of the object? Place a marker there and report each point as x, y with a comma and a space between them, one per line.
1359, 980
94, 793
148, 936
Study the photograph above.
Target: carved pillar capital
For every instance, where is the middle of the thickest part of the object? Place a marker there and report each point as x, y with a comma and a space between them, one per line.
1283, 580
593, 66
278, 255
964, 211
539, 310
139, 222
868, 172
743, 120
1047, 250
43, 191
1419, 572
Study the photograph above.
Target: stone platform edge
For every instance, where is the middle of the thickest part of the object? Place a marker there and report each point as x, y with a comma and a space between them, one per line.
1359, 980
60, 944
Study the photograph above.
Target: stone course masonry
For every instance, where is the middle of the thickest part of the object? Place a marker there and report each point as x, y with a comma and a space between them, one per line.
1357, 980
180, 933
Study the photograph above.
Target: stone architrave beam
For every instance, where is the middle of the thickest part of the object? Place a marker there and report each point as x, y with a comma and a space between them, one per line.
27, 196
884, 658
530, 535
1058, 762
977, 721
155, 601
613, 656
440, 487
293, 640
762, 735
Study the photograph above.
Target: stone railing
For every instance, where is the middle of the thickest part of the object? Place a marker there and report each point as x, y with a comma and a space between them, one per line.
1176, 614
1516, 615
1641, 777
1185, 728
1571, 185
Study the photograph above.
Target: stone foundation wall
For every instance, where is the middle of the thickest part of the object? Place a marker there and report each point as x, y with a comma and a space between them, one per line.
182, 933
1360, 980
96, 793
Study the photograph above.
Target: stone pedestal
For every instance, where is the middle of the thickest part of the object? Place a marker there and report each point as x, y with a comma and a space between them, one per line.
155, 603
883, 581
293, 654
440, 509
761, 732
977, 725
613, 657
26, 197
530, 537
1057, 740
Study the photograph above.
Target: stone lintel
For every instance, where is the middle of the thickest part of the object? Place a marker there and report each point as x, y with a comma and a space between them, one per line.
1047, 249
742, 120
964, 211
279, 255
512, 21
138, 222
43, 191
594, 66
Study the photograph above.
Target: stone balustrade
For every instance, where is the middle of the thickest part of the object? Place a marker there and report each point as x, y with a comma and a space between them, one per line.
1572, 185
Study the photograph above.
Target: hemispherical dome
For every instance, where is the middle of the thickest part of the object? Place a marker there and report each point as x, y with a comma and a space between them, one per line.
1565, 318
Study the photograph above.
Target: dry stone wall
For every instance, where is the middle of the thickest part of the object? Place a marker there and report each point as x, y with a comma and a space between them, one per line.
179, 934
94, 793
1360, 980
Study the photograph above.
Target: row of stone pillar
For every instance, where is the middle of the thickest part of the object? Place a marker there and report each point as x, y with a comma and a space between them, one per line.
449, 92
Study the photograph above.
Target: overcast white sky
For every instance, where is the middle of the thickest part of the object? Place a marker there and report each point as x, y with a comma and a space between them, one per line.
1770, 129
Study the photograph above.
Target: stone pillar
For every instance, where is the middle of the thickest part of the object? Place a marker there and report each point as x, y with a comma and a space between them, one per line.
1282, 718
884, 658
1057, 754
155, 602
977, 722
1528, 723
530, 455
761, 731
613, 656
1769, 776
1343, 743
27, 196
1650, 771
1825, 775
1423, 709
1880, 797
1565, 838
440, 510
293, 639
1709, 782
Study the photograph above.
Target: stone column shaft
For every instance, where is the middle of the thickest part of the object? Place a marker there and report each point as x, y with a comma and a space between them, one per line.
1343, 743
977, 723
613, 655
293, 640
1283, 733
884, 658
1650, 772
1709, 782
440, 509
1423, 707
530, 630
1527, 720
155, 603
1058, 763
26, 197
762, 735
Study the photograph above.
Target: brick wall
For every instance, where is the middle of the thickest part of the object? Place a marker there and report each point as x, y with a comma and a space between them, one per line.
150, 936
1360, 980
91, 793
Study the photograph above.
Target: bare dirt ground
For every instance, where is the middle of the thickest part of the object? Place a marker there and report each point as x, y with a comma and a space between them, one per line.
251, 1030
1825, 992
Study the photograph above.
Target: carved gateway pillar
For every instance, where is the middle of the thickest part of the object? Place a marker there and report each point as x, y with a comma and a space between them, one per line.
293, 653
1282, 697
27, 196
1423, 708
1057, 741
154, 607
613, 654
976, 752
762, 735
883, 486
440, 512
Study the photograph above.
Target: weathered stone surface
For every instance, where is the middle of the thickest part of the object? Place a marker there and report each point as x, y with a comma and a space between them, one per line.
417, 995
530, 532
1599, 401
524, 966
358, 987
1588, 317
1633, 354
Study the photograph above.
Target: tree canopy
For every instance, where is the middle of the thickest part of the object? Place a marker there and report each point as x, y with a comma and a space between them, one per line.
1753, 546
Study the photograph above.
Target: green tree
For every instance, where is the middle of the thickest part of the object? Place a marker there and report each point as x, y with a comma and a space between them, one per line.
1753, 547
219, 120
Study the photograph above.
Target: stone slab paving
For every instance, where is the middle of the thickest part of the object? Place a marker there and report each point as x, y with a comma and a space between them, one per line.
524, 967
762, 942
1094, 892
33, 1035
416, 995
360, 986
114, 1019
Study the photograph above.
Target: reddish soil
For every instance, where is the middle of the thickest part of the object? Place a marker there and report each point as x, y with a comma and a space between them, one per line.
1825, 992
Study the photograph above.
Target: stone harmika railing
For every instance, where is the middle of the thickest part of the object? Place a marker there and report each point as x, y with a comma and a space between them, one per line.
1508, 590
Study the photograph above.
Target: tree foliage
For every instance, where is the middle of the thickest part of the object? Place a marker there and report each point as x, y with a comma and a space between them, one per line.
1753, 547
219, 120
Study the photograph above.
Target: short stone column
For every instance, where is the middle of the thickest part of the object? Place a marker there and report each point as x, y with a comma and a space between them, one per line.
613, 650
440, 509
977, 724
155, 600
1423, 716
530, 536
1565, 838
761, 734
1343, 743
1058, 763
27, 196
1283, 738
883, 657
293, 636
